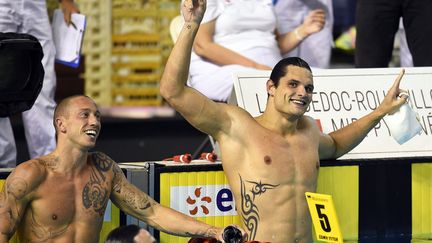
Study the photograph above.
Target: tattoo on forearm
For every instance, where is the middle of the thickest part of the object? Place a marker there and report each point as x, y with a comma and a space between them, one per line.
249, 210
95, 194
209, 232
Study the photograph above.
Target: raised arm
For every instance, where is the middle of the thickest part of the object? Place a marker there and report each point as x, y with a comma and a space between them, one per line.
313, 23
206, 115
345, 139
15, 197
138, 204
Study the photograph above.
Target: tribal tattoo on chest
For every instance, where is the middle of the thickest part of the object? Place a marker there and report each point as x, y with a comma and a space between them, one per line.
95, 193
249, 210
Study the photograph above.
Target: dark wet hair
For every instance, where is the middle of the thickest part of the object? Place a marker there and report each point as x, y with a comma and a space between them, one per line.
123, 234
280, 69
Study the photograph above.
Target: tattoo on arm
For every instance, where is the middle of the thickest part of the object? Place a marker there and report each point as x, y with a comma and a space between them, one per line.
249, 210
134, 198
10, 211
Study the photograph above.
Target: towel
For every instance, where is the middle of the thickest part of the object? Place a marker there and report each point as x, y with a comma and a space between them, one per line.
403, 124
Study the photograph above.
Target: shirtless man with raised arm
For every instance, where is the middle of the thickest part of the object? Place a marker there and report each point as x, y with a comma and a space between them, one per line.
271, 160
62, 197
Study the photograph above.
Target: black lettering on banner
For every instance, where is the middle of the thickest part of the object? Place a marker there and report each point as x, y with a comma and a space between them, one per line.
334, 101
323, 96
343, 122
371, 100
360, 99
421, 101
414, 100
346, 101
337, 101
376, 128
430, 95
313, 102
324, 221
426, 123
424, 101
385, 124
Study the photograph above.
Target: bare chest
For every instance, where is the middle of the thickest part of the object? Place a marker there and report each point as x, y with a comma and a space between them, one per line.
287, 161
61, 204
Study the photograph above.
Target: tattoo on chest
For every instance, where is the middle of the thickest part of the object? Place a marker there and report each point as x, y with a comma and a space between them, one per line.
41, 233
95, 194
249, 209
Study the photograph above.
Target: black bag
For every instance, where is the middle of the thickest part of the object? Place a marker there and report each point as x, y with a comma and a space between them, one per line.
21, 72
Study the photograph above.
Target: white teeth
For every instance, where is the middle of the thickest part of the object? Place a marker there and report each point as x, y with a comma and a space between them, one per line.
91, 133
299, 102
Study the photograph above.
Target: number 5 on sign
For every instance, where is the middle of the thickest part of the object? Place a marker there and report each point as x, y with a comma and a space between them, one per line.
324, 217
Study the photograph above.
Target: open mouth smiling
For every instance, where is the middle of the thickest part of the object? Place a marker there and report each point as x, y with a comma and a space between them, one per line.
91, 133
298, 102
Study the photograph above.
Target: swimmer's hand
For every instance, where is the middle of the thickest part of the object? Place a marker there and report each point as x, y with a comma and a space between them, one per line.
193, 10
394, 98
233, 234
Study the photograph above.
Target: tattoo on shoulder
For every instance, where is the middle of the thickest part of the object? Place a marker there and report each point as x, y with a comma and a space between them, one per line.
249, 210
102, 162
17, 187
50, 163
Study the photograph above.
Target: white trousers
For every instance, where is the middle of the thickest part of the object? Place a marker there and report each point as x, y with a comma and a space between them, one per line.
31, 17
315, 49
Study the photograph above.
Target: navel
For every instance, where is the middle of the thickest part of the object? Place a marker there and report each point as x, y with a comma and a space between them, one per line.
54, 217
267, 160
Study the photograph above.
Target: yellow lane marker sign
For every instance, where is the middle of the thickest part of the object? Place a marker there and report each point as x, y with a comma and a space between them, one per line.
324, 218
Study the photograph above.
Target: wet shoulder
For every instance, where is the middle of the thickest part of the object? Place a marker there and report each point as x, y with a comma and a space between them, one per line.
26, 177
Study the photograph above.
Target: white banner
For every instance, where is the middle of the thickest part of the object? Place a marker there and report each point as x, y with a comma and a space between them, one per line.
342, 96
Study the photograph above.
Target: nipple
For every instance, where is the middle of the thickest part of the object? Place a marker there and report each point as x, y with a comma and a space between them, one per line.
267, 160
54, 217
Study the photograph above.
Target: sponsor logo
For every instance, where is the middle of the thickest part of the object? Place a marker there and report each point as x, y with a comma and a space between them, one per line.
198, 202
203, 200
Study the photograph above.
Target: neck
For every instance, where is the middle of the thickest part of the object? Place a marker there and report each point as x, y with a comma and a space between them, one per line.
278, 123
69, 160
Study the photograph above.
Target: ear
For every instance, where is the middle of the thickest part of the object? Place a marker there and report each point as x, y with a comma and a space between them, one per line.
270, 87
60, 123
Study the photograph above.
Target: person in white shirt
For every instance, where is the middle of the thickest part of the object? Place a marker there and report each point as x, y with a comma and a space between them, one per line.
241, 35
